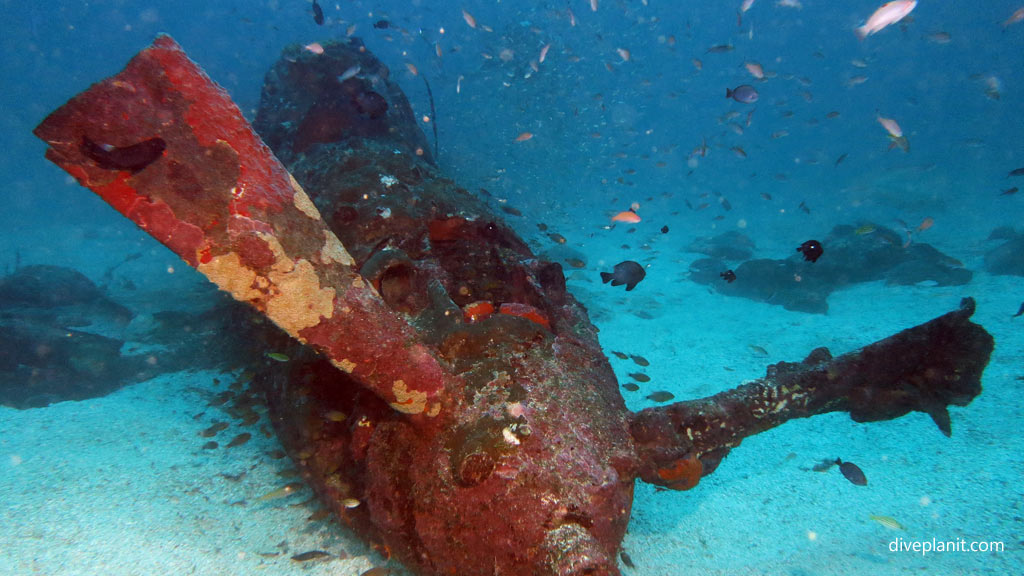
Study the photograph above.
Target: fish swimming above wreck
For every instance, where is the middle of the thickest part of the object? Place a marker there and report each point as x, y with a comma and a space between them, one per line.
445, 419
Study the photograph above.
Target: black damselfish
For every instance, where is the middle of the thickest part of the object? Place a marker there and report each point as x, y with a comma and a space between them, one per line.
629, 273
812, 250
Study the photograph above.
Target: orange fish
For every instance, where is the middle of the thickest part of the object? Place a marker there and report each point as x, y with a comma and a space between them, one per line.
315, 48
925, 224
891, 127
1017, 16
623, 53
628, 216
755, 69
593, 5
524, 136
544, 52
412, 68
468, 18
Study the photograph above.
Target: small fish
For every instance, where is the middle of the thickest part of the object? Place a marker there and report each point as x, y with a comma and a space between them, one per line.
1009, 191
744, 93
746, 5
377, 571
381, 24
239, 440
629, 216
557, 238
318, 14
720, 49
523, 137
864, 230
640, 377
758, 350
852, 472
664, 229
627, 272
1020, 311
286, 490
412, 68
824, 465
888, 522
840, 159
132, 158
211, 445
925, 224
310, 556
755, 69
1017, 172
890, 126
886, 14
213, 429
468, 18
738, 151
626, 560
729, 276
576, 263
335, 416
803, 206
620, 355
277, 356
630, 386
660, 396
350, 73
544, 53
812, 250
939, 37
640, 360
1017, 16
350, 503
624, 54
315, 48
593, 5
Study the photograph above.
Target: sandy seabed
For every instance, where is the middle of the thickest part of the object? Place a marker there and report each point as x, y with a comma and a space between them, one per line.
121, 485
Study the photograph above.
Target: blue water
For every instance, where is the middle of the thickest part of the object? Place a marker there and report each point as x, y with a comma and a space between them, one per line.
607, 132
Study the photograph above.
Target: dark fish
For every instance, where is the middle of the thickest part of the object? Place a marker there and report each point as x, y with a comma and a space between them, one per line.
1017, 172
840, 159
803, 206
630, 386
640, 360
212, 430
744, 93
377, 571
1020, 311
211, 445
640, 377
660, 396
664, 229
626, 560
728, 276
812, 250
852, 472
629, 273
318, 14
620, 355
1009, 191
132, 158
510, 210
311, 555
720, 49
239, 440
382, 24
